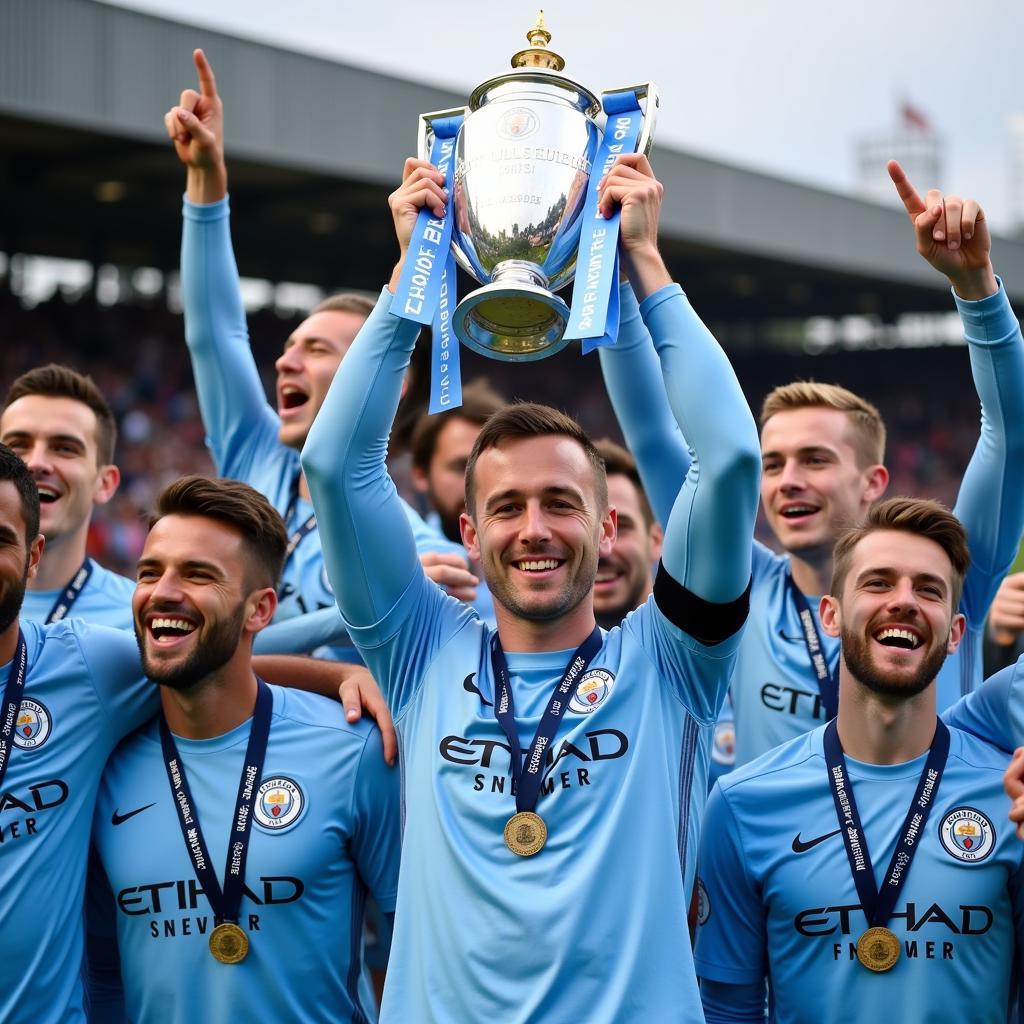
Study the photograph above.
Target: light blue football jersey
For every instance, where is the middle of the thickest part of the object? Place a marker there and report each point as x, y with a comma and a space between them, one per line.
325, 832
83, 693
628, 764
778, 898
242, 428
105, 600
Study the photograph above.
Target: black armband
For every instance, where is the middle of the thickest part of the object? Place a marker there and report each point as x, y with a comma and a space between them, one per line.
705, 621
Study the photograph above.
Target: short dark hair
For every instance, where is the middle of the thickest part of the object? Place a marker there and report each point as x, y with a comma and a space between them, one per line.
56, 381
919, 516
13, 468
345, 302
523, 420
479, 403
619, 462
239, 506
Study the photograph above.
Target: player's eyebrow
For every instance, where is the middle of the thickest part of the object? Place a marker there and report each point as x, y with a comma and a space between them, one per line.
811, 449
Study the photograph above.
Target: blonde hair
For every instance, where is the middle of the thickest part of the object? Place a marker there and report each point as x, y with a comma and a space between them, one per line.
865, 419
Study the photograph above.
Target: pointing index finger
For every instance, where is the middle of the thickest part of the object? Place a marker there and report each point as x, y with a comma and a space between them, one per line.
207, 83
907, 193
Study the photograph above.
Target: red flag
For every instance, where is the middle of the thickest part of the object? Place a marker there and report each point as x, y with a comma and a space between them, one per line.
914, 119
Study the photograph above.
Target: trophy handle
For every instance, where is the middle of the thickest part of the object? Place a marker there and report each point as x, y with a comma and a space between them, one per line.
648, 91
424, 144
425, 135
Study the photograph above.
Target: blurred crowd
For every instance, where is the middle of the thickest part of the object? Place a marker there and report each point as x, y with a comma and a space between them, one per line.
137, 355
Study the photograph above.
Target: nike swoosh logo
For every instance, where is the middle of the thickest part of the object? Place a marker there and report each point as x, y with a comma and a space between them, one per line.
470, 687
120, 819
803, 845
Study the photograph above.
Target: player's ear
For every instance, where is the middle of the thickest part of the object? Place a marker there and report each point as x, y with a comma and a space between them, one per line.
260, 607
419, 480
35, 552
876, 480
470, 537
609, 531
828, 612
956, 632
655, 540
109, 481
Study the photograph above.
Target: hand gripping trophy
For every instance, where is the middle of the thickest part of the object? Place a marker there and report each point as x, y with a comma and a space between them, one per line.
522, 163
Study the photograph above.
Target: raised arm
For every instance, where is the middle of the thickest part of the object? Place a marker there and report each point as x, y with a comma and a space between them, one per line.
952, 235
367, 541
232, 401
709, 532
636, 388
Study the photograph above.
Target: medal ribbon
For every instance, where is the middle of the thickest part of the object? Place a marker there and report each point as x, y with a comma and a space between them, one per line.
528, 776
425, 292
878, 903
828, 682
13, 693
594, 316
299, 535
62, 606
226, 903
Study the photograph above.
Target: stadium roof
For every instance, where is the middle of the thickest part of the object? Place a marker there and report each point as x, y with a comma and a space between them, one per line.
314, 148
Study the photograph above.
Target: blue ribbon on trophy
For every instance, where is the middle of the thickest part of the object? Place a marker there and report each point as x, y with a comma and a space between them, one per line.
594, 317
427, 286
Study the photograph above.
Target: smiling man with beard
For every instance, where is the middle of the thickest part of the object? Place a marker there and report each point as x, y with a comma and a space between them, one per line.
247, 821
866, 869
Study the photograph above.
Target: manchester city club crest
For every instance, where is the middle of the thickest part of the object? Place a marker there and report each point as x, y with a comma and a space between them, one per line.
723, 747
703, 903
279, 802
591, 691
967, 835
518, 123
33, 726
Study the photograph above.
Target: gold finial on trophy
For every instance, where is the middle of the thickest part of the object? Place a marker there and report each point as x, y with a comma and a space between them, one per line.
538, 55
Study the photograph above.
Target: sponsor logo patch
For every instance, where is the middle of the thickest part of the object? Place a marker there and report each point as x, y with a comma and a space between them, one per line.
967, 835
33, 726
279, 803
591, 691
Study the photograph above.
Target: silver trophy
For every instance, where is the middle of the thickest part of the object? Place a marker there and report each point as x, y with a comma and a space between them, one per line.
523, 160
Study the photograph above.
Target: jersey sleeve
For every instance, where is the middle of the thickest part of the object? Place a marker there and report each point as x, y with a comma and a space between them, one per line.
732, 1004
303, 633
395, 615
709, 532
994, 712
731, 945
112, 658
632, 377
239, 423
990, 503
376, 839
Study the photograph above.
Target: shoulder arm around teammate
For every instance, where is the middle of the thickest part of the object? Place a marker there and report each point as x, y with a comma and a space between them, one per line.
994, 711
636, 388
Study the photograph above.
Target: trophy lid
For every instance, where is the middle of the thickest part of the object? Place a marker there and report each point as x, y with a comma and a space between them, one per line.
538, 55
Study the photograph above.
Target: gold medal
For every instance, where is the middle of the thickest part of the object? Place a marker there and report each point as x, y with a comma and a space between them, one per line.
878, 949
526, 833
228, 943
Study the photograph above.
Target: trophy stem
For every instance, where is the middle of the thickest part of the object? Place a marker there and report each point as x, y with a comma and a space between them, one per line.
518, 272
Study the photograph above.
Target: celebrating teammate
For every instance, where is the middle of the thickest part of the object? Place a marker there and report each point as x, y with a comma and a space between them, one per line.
247, 822
59, 422
249, 440
866, 868
529, 847
822, 448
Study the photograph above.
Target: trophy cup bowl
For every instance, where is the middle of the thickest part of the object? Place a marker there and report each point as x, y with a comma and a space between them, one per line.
523, 156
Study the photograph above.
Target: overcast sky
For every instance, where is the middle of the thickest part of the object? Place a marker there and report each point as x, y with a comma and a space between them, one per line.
785, 87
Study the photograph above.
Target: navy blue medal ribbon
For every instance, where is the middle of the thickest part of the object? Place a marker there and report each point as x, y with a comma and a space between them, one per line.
225, 902
594, 316
828, 681
426, 290
528, 776
297, 536
70, 594
13, 692
879, 902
